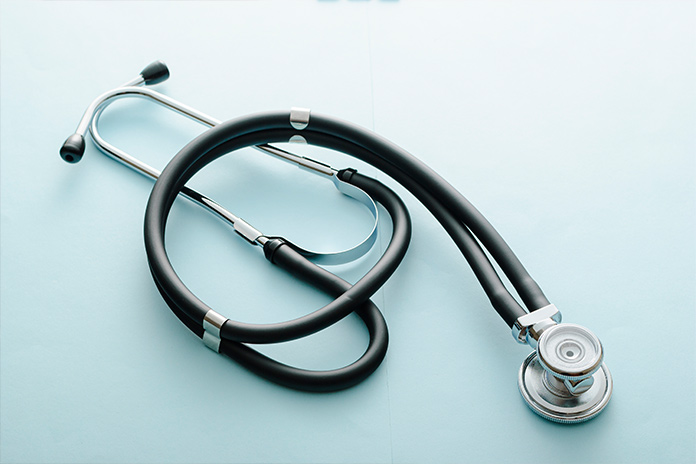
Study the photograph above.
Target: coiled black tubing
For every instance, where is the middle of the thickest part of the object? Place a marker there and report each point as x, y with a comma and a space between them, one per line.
467, 227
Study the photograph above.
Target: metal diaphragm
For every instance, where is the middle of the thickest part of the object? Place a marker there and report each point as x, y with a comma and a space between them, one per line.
565, 380
570, 351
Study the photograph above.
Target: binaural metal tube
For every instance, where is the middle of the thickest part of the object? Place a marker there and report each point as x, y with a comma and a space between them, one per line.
91, 117
73, 150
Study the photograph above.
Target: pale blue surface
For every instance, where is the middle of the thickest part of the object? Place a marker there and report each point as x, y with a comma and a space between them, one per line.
570, 125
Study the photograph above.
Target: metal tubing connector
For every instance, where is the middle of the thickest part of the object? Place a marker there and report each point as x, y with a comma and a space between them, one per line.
212, 323
527, 329
299, 118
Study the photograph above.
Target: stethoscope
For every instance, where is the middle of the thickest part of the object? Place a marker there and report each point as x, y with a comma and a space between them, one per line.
564, 379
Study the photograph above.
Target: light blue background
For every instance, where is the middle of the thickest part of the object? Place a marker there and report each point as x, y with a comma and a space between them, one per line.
569, 124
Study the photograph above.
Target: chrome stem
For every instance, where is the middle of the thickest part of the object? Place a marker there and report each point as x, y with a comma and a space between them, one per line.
90, 122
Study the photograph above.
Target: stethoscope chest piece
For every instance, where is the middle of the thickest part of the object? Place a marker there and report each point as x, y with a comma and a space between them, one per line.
565, 379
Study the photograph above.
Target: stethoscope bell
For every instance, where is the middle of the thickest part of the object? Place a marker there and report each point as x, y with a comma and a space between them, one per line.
565, 379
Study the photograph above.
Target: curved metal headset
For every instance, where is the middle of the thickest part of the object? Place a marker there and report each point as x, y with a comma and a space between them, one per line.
564, 379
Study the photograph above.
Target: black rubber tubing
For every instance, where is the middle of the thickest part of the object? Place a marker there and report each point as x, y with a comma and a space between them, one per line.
305, 379
393, 156
501, 299
442, 199
319, 381
286, 257
448, 196
167, 279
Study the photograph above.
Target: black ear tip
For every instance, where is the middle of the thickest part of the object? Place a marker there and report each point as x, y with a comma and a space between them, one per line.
73, 148
155, 72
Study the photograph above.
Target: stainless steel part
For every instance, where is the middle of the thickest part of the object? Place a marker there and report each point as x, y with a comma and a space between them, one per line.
212, 322
523, 329
298, 139
565, 379
546, 397
211, 341
299, 118
360, 249
570, 352
90, 121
